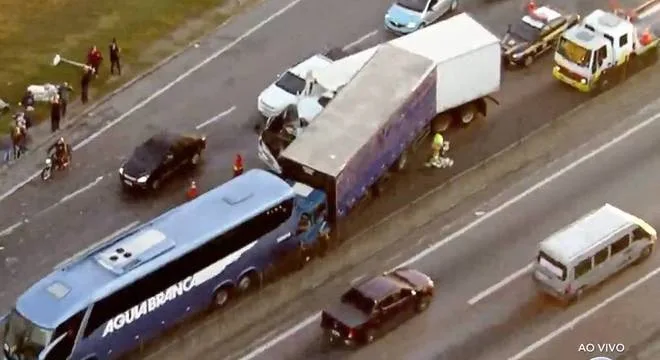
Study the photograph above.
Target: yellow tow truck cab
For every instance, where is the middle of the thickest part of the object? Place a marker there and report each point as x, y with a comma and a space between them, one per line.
605, 48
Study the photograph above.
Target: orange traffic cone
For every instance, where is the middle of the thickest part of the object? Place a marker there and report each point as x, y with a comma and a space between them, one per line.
192, 191
238, 165
646, 37
531, 7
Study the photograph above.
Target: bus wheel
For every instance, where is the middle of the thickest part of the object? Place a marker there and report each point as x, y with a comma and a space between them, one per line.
248, 282
221, 297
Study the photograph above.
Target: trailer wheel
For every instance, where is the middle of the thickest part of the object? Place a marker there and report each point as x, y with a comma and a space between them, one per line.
441, 123
468, 113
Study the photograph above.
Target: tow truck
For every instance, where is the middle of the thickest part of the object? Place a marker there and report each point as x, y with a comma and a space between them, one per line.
607, 47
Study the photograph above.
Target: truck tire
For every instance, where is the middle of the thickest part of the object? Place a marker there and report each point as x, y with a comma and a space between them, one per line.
441, 123
467, 114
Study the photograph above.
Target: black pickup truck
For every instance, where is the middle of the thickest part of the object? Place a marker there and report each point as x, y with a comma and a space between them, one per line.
377, 305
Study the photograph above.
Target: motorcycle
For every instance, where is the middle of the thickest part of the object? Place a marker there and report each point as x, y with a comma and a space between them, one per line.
443, 161
51, 165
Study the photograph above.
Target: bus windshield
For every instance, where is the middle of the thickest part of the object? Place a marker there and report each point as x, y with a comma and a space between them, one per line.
574, 52
23, 339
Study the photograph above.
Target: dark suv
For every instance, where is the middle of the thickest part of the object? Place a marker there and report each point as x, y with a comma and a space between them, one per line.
377, 305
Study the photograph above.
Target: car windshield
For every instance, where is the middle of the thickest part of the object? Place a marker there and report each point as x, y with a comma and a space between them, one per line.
414, 5
574, 52
357, 299
291, 83
24, 339
524, 31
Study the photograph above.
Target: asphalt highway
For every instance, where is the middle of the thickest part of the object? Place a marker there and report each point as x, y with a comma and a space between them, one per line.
86, 204
487, 306
41, 224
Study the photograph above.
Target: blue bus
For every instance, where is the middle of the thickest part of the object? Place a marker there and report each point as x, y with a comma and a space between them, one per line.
108, 300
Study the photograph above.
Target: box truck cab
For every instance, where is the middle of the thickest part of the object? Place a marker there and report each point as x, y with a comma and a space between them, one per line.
594, 53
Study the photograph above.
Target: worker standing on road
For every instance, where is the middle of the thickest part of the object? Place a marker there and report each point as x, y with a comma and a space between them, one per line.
64, 91
55, 113
438, 147
114, 57
84, 84
238, 165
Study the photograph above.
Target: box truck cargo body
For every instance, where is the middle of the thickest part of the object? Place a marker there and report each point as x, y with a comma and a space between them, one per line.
467, 58
366, 128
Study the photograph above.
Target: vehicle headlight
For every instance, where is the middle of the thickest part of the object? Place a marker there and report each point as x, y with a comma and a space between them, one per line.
411, 25
583, 81
143, 179
556, 68
121, 171
387, 16
516, 56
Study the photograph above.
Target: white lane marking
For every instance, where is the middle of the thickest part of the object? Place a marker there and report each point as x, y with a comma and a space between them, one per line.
478, 221
361, 39
301, 325
357, 279
571, 324
68, 197
532, 189
216, 118
165, 88
480, 296
11, 229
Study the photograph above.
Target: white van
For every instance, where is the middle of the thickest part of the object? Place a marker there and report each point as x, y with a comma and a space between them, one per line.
590, 250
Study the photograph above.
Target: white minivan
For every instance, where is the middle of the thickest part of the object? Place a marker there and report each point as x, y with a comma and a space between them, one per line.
590, 250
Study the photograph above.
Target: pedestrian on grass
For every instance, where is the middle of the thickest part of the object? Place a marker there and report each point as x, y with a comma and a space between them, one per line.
114, 57
94, 59
64, 91
84, 84
55, 113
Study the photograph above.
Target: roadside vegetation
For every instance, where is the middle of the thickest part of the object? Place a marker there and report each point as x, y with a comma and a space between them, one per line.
32, 32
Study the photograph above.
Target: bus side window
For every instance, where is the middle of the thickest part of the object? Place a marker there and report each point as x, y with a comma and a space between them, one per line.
620, 245
71, 328
639, 234
601, 256
583, 267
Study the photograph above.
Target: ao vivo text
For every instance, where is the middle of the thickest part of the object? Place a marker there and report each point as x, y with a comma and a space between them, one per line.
602, 348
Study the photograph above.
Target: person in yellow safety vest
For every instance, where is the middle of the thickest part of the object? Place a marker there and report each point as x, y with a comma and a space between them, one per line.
436, 147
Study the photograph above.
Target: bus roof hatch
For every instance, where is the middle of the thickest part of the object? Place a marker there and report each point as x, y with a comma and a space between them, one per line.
134, 250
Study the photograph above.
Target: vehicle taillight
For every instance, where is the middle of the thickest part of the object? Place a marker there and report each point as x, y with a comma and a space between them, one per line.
351, 333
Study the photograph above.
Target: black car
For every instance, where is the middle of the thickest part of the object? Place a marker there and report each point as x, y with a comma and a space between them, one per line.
376, 306
535, 34
160, 157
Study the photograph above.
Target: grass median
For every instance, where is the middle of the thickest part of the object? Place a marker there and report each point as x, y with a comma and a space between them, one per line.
32, 32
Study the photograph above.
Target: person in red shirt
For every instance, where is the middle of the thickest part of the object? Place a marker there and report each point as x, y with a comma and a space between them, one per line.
94, 59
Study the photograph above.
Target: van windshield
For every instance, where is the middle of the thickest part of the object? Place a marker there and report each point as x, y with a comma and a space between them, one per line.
552, 265
574, 52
